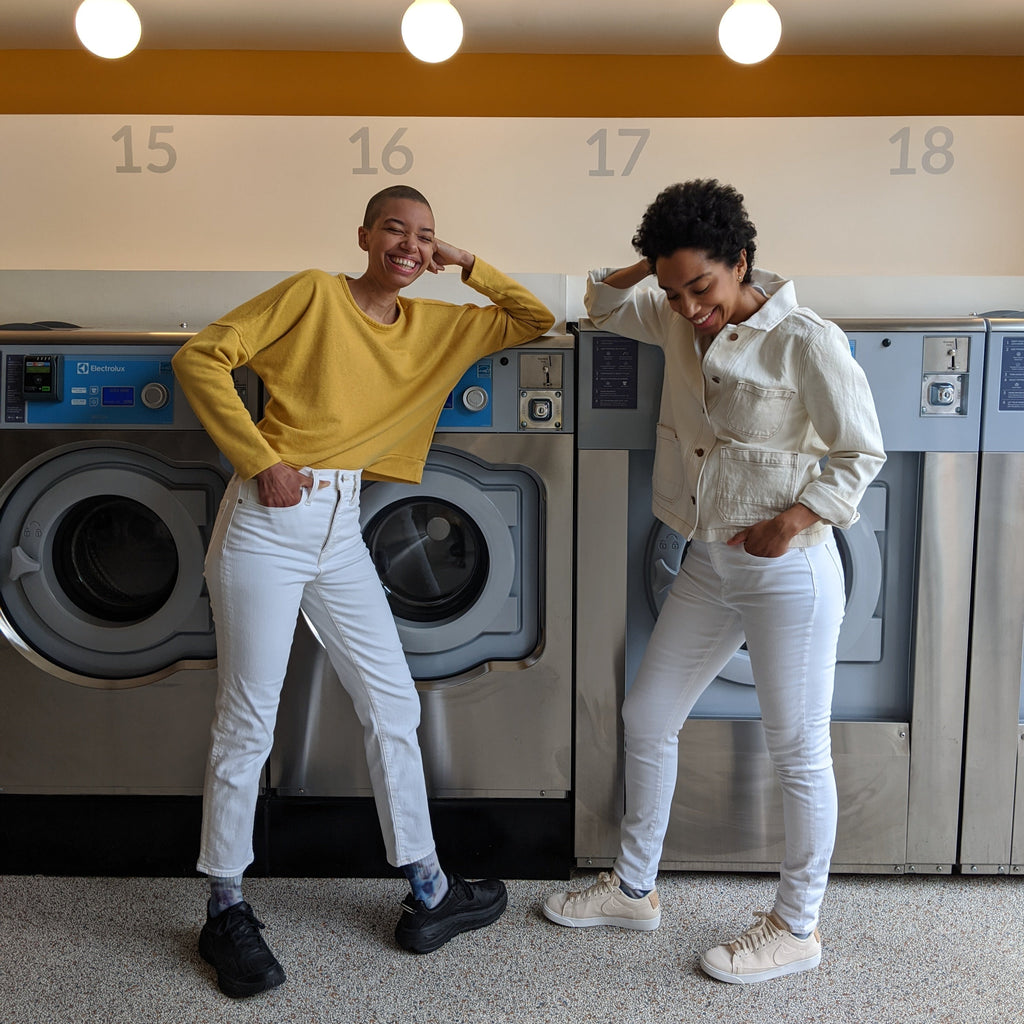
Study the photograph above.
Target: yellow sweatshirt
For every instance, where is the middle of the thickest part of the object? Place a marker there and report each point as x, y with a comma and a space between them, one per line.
346, 392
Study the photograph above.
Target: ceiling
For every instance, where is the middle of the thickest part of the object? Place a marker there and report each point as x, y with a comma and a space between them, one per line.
994, 27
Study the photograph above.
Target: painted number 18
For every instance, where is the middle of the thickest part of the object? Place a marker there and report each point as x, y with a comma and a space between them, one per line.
938, 151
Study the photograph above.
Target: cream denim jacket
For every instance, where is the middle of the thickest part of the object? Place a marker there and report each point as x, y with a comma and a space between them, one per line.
741, 436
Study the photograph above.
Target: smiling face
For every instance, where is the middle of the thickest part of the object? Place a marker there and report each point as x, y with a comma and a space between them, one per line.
400, 244
707, 292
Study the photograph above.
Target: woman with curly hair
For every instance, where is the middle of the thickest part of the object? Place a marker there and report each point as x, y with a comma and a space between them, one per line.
767, 439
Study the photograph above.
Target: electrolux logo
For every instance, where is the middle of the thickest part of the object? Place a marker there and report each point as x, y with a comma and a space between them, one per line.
84, 368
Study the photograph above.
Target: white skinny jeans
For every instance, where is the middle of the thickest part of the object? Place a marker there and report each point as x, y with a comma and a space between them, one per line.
262, 566
789, 609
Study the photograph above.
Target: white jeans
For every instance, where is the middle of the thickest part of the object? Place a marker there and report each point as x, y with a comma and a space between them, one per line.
789, 609
263, 565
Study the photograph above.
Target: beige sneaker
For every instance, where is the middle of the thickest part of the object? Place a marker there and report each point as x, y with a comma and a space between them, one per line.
604, 903
767, 949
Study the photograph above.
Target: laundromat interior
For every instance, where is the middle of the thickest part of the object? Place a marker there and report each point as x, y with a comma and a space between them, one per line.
879, 151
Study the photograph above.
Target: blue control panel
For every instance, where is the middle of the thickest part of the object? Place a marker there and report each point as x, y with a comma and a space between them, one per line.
88, 389
471, 403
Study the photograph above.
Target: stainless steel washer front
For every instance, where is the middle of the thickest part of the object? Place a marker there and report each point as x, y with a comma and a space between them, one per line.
992, 832
477, 560
108, 492
899, 696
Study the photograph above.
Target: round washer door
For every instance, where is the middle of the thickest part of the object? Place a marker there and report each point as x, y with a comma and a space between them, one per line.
860, 549
104, 549
458, 555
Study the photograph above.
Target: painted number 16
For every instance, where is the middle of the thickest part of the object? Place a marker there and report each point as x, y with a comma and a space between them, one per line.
395, 157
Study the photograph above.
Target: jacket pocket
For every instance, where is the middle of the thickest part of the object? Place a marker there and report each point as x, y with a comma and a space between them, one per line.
755, 413
755, 484
668, 465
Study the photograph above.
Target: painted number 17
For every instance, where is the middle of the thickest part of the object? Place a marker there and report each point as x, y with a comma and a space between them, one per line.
600, 140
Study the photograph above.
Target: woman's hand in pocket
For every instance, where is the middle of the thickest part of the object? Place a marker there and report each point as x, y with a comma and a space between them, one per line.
280, 486
770, 538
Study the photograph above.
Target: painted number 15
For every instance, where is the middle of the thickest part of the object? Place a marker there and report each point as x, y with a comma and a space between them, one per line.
170, 157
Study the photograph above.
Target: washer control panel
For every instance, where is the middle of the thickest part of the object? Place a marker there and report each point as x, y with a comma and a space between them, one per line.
88, 389
520, 390
926, 379
105, 386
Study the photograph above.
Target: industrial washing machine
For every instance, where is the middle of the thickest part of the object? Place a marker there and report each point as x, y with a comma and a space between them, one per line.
477, 562
992, 829
898, 704
109, 491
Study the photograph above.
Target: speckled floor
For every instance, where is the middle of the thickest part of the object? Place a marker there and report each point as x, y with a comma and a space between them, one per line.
897, 949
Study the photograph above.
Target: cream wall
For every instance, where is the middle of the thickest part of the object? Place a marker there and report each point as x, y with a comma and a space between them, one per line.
894, 204
830, 196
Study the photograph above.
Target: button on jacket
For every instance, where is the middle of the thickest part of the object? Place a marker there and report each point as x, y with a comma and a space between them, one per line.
742, 435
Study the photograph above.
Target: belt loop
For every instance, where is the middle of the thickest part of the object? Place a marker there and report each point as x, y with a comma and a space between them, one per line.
313, 486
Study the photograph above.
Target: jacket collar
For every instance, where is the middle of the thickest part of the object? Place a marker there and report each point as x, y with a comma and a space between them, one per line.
781, 300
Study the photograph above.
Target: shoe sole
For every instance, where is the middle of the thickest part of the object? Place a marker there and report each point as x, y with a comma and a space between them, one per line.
773, 972
241, 989
640, 925
466, 922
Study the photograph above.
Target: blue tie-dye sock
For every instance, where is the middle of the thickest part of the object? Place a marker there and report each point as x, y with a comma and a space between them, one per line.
428, 881
224, 893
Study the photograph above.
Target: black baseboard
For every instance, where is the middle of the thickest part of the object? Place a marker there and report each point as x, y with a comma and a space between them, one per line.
340, 838
153, 836
116, 836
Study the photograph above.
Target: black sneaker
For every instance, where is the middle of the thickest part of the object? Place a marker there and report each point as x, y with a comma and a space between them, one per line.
466, 905
231, 941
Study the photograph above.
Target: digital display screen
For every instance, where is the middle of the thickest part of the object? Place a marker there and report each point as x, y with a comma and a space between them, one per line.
40, 378
120, 396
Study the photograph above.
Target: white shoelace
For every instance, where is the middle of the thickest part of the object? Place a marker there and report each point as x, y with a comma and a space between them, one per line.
603, 884
760, 933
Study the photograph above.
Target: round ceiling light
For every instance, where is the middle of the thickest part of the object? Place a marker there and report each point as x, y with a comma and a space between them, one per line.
109, 28
431, 30
749, 31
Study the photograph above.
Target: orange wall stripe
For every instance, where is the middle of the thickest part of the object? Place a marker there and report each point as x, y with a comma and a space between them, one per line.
504, 85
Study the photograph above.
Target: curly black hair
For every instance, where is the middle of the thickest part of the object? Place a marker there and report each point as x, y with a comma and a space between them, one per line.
700, 214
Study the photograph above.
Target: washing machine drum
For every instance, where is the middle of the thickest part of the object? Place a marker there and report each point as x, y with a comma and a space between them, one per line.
861, 552
459, 557
103, 583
